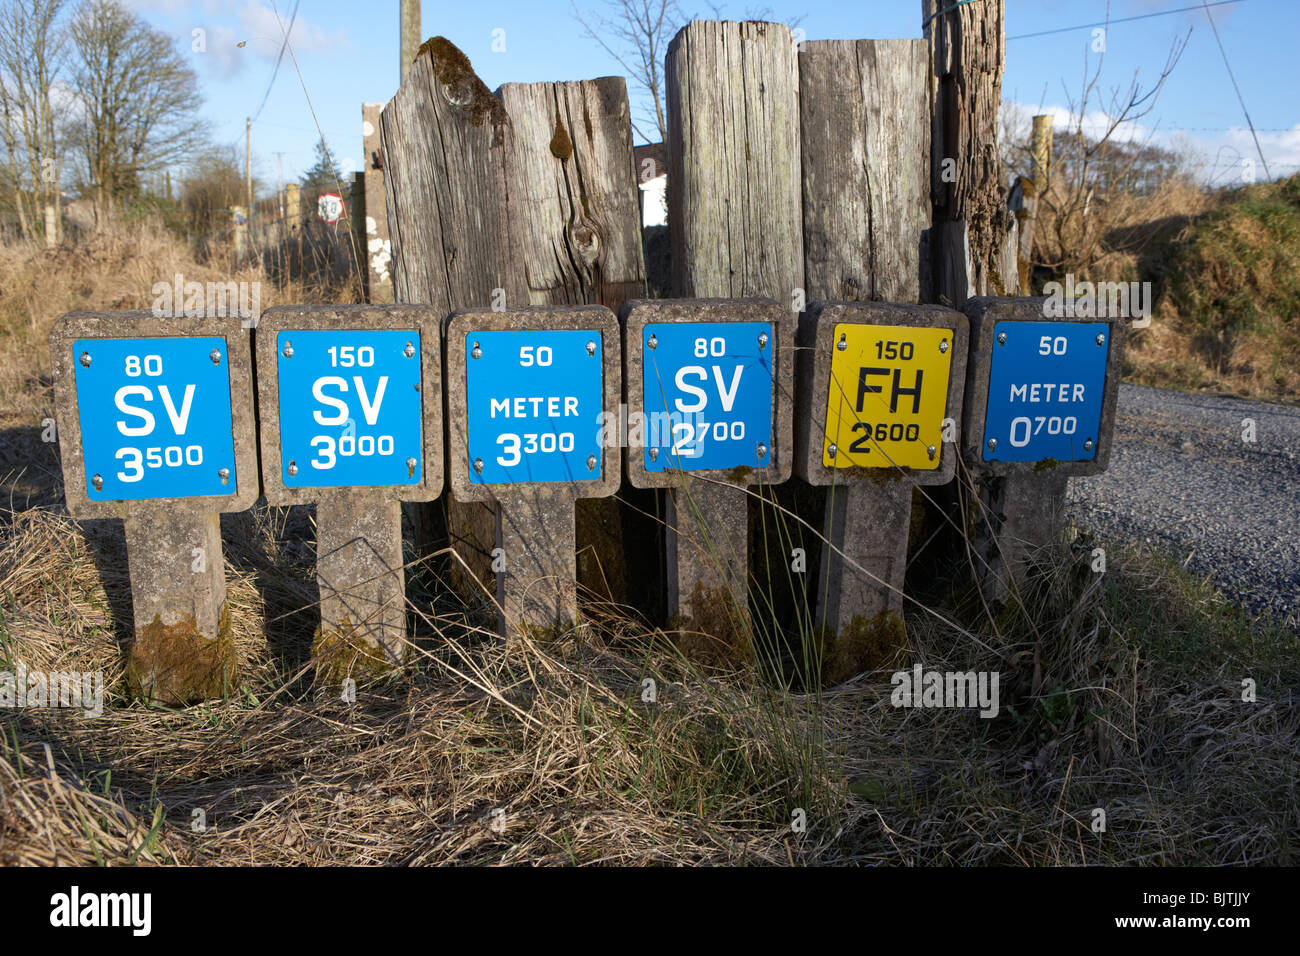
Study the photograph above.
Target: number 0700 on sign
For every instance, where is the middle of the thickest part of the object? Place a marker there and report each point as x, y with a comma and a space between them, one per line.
888, 395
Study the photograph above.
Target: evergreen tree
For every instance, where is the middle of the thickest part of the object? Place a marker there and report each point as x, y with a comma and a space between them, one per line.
321, 177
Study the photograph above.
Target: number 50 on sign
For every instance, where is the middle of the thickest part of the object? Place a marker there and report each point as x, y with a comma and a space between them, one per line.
888, 393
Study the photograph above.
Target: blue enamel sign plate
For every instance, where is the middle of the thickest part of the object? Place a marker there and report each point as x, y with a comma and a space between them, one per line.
535, 400
155, 417
349, 407
1045, 391
707, 394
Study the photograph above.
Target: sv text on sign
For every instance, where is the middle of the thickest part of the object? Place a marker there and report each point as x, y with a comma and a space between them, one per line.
707, 395
349, 405
155, 417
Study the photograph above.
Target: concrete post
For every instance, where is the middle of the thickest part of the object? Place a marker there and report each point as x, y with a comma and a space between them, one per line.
709, 395
880, 393
351, 418
168, 475
530, 394
1039, 408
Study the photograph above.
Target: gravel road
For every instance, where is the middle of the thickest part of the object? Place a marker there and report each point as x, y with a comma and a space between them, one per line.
1182, 478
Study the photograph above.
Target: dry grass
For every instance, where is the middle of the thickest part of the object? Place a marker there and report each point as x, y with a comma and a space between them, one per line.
1120, 691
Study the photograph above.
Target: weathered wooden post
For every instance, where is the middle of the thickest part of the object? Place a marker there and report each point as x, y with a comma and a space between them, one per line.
735, 222
351, 419
880, 384
156, 426
709, 385
376, 246
527, 197
1040, 407
974, 239
530, 394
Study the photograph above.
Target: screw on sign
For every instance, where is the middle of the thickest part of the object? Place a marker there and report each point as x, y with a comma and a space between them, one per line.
351, 412
156, 426
880, 391
535, 401
1040, 408
707, 394
708, 397
527, 392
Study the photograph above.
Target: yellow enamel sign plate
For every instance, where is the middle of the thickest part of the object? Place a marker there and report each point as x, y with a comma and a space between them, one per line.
888, 396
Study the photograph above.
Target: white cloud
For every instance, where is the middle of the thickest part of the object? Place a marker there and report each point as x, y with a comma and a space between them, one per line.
258, 28
258, 20
1217, 156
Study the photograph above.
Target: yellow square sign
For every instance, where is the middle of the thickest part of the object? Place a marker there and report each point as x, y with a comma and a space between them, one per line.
888, 396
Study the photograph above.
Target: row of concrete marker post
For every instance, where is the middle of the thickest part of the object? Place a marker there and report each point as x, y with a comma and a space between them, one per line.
156, 425
529, 196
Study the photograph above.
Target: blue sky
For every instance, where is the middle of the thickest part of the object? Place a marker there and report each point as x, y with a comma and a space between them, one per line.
348, 54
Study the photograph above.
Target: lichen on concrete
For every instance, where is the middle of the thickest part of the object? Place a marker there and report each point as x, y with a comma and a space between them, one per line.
175, 665
867, 644
343, 652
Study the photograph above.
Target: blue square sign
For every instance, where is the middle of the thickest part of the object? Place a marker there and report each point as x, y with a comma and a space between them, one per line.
1045, 391
350, 408
707, 394
155, 417
535, 400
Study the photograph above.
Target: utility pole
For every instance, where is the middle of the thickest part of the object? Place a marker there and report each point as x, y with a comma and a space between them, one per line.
279, 192
410, 27
248, 162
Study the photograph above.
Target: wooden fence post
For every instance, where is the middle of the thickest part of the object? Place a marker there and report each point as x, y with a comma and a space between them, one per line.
735, 222
527, 197
973, 243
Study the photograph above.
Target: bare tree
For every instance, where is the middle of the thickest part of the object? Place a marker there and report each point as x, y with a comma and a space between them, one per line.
33, 49
636, 33
139, 100
1095, 174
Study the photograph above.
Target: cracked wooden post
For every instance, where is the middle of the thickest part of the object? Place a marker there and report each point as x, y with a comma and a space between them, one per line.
736, 227
879, 401
975, 236
531, 397
1040, 407
525, 197
156, 426
709, 385
864, 434
351, 419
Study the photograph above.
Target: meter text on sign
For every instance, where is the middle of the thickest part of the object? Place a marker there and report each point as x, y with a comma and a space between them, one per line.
888, 396
707, 395
350, 407
1045, 391
534, 403
155, 417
